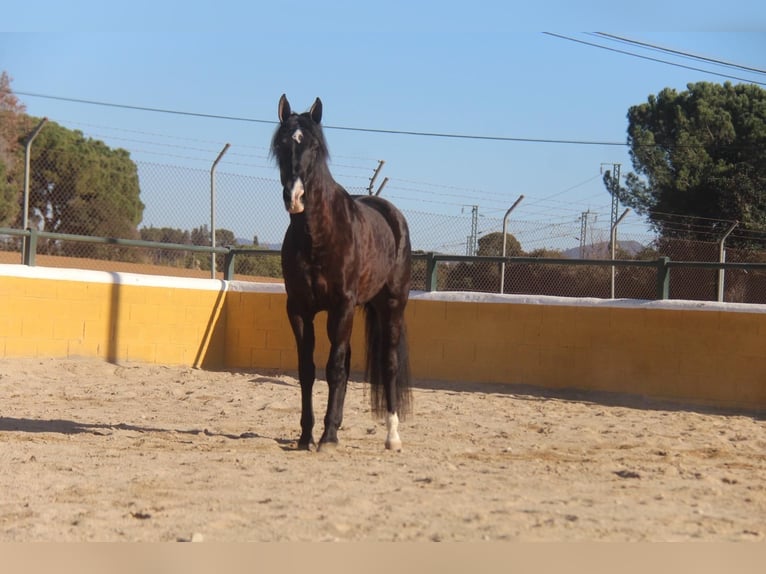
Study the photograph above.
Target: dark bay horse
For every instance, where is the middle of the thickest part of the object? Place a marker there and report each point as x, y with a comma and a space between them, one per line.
341, 251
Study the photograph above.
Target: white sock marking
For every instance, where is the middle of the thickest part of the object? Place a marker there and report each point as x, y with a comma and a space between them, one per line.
393, 442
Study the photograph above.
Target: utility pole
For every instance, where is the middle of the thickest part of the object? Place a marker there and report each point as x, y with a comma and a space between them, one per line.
613, 186
583, 232
473, 239
613, 245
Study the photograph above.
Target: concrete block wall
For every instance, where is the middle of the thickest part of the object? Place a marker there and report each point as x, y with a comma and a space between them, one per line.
114, 316
691, 352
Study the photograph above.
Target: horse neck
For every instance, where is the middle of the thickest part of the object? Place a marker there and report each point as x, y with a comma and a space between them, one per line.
326, 200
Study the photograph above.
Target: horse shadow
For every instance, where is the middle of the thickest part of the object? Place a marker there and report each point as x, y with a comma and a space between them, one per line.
273, 381
526, 392
70, 427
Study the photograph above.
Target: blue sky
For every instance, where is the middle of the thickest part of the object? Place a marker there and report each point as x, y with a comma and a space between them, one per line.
456, 68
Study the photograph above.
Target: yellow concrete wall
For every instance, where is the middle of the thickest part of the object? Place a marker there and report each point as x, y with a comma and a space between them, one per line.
258, 334
710, 355
118, 317
705, 353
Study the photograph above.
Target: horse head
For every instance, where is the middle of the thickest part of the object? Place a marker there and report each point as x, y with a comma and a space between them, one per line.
299, 148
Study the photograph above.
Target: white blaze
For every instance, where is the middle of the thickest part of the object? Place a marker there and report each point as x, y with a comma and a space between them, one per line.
296, 197
298, 135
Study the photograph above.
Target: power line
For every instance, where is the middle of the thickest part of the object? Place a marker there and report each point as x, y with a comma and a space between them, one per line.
374, 130
688, 217
330, 127
479, 137
653, 59
680, 53
481, 195
264, 150
142, 108
570, 188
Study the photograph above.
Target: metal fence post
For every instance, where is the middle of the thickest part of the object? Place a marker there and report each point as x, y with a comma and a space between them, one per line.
228, 265
29, 248
663, 278
27, 177
212, 209
430, 272
505, 228
722, 259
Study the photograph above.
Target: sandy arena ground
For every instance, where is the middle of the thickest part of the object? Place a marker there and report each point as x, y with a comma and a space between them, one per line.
95, 451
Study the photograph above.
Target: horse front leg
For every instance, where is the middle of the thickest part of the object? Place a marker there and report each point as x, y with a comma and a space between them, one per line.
339, 326
303, 329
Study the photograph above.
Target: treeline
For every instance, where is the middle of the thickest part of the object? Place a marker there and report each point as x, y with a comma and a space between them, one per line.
78, 185
567, 280
257, 264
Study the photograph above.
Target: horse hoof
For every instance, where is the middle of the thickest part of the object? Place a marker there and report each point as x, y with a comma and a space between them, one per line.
394, 445
327, 446
306, 444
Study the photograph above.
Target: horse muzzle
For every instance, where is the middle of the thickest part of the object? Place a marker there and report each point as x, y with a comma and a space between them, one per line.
293, 195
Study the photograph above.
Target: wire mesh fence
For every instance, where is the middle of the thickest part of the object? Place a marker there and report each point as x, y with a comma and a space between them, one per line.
176, 204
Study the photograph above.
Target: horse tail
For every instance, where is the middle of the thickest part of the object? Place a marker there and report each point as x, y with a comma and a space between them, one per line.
376, 360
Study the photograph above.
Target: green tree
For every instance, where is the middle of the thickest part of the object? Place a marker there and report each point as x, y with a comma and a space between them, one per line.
482, 276
258, 264
168, 256
80, 185
698, 153
200, 235
165, 235
225, 238
12, 123
492, 244
8, 207
543, 253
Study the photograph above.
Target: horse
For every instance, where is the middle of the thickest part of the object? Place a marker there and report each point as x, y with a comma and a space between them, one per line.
339, 252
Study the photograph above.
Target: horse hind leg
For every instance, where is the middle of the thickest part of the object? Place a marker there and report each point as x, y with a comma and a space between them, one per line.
393, 442
397, 385
388, 366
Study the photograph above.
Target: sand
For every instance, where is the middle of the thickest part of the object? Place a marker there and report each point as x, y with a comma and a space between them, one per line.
93, 451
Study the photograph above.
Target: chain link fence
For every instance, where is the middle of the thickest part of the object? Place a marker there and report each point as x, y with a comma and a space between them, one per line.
175, 207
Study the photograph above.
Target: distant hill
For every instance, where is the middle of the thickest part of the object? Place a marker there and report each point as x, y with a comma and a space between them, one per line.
601, 250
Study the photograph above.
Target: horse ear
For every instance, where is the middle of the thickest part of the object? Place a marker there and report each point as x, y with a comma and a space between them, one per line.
284, 108
316, 111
